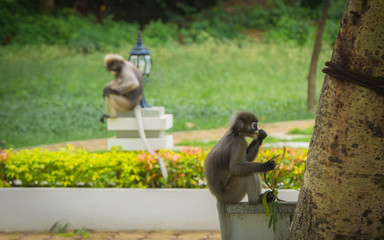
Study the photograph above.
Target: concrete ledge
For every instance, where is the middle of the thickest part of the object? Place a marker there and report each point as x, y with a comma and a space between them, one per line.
146, 112
243, 207
110, 209
249, 222
155, 122
149, 123
134, 144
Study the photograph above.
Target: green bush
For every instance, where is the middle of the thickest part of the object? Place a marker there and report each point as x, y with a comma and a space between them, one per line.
158, 33
282, 22
72, 167
213, 23
288, 30
252, 17
82, 34
11, 14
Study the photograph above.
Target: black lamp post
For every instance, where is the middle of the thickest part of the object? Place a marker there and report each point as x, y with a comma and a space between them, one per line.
141, 58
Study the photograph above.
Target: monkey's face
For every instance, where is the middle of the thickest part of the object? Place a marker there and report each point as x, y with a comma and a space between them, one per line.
247, 127
245, 124
253, 130
115, 66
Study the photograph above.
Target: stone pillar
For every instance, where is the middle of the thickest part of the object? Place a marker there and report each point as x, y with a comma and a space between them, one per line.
155, 122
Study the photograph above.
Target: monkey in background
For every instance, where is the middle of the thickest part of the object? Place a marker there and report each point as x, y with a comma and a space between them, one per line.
124, 94
126, 90
229, 167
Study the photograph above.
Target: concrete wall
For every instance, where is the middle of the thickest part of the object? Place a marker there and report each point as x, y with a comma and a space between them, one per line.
249, 222
37, 209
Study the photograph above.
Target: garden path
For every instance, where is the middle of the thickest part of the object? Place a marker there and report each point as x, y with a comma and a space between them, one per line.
278, 129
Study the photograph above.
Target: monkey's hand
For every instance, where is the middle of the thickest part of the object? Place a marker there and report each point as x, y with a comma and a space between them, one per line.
269, 196
104, 116
270, 165
108, 91
262, 134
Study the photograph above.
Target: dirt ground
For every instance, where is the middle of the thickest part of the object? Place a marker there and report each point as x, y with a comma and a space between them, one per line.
199, 135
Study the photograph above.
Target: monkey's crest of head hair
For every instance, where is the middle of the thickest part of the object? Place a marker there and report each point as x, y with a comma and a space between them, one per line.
238, 119
113, 61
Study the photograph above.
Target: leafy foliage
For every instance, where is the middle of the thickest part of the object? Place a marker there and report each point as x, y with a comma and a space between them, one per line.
72, 167
289, 171
283, 22
274, 183
82, 34
158, 33
4, 155
60, 228
278, 179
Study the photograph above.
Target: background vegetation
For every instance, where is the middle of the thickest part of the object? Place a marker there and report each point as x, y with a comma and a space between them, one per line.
78, 168
208, 62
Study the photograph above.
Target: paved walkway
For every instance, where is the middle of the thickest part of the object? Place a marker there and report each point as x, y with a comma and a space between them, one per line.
131, 235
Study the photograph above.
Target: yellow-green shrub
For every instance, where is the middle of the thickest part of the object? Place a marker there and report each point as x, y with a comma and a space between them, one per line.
72, 167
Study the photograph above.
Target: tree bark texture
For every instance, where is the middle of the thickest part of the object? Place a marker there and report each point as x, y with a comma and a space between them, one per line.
342, 196
312, 101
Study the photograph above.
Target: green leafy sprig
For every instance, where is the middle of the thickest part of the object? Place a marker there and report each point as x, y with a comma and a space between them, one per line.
275, 183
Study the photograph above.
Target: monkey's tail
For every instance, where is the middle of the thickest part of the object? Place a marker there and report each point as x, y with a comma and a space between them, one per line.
139, 119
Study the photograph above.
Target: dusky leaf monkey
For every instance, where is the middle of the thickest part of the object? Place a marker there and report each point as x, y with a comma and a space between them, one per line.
124, 93
230, 169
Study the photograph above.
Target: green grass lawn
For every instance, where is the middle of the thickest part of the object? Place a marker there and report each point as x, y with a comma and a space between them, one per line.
49, 94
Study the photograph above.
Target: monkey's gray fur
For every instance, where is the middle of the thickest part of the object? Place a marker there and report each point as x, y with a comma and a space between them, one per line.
230, 169
126, 90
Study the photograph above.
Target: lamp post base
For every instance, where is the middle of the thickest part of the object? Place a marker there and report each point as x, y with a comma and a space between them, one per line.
143, 103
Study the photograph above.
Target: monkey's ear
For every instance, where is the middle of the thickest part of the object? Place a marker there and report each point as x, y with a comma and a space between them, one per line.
239, 124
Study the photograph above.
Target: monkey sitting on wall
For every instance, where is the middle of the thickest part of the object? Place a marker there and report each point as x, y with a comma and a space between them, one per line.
229, 167
124, 94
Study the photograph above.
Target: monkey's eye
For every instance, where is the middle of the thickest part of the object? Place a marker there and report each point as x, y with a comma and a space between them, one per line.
254, 126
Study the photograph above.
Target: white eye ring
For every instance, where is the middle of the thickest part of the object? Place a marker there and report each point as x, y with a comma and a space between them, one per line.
254, 125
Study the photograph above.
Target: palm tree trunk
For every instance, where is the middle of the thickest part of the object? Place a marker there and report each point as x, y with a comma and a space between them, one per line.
343, 190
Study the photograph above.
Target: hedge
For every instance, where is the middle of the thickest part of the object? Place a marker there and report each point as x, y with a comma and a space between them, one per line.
71, 167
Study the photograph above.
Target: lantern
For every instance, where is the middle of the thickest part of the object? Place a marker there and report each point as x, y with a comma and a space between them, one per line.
141, 58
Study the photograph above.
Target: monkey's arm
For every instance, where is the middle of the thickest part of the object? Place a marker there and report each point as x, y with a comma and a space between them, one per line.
108, 91
240, 167
126, 87
245, 168
130, 82
121, 90
253, 148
